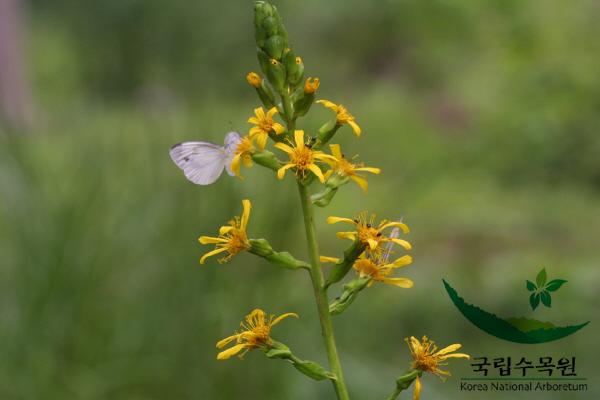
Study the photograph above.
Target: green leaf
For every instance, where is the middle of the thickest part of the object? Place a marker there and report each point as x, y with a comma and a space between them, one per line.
531, 286
313, 370
534, 300
554, 285
546, 299
541, 278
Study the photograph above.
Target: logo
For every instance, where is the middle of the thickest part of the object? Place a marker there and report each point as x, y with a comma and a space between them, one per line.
519, 329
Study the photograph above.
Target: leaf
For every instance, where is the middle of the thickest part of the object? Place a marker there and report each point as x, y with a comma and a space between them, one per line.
541, 278
531, 286
546, 299
534, 300
554, 285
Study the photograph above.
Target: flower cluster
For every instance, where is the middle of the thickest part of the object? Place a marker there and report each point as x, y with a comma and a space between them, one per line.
287, 96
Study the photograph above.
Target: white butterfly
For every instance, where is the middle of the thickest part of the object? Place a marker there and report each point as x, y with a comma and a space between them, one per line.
203, 162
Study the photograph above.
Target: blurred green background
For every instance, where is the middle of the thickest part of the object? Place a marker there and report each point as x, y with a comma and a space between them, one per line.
483, 116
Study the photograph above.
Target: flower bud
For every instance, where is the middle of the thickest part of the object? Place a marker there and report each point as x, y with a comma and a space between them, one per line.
274, 46
341, 268
403, 382
313, 370
297, 71
332, 184
266, 159
351, 291
254, 79
262, 248
327, 131
278, 350
276, 75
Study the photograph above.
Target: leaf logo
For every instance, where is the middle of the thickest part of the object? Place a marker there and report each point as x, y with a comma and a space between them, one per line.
541, 291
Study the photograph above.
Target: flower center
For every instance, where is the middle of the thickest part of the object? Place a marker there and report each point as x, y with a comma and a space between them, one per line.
245, 146
302, 157
260, 336
266, 125
343, 115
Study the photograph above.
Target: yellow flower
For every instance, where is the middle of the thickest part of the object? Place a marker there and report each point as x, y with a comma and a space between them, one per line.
368, 233
302, 157
232, 237
345, 168
377, 267
427, 358
342, 115
256, 333
311, 85
242, 154
254, 79
264, 125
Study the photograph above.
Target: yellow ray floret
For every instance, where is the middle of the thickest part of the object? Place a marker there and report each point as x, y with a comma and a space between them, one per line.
342, 166
255, 333
232, 237
369, 233
302, 158
427, 358
342, 115
264, 125
242, 154
379, 269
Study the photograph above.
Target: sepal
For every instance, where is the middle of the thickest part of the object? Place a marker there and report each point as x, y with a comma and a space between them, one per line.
351, 290
341, 268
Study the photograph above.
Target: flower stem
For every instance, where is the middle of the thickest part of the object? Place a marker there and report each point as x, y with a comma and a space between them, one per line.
320, 293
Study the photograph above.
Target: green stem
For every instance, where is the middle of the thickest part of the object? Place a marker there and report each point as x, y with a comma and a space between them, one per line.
321, 295
289, 112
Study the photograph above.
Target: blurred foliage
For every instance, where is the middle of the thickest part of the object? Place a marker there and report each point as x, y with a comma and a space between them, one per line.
482, 115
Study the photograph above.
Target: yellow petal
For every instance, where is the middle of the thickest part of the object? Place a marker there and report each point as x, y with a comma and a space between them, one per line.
369, 169
261, 139
328, 104
260, 113
402, 243
336, 151
235, 164
403, 261
224, 342
372, 243
271, 112
247, 160
400, 225
449, 349
284, 147
335, 220
325, 259
346, 235
282, 317
211, 240
355, 127
299, 138
255, 130
281, 171
317, 171
232, 351
456, 355
212, 253
245, 214
254, 120
278, 128
417, 391
224, 229
400, 282
362, 182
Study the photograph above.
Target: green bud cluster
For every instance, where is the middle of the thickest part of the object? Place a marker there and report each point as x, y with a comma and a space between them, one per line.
277, 60
262, 248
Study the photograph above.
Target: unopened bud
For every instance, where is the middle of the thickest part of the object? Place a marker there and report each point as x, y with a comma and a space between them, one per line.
274, 46
276, 75
254, 79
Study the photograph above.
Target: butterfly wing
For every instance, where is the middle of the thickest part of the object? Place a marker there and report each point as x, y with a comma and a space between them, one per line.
232, 139
201, 162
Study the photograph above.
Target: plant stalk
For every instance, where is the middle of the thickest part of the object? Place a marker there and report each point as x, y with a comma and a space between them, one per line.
320, 293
